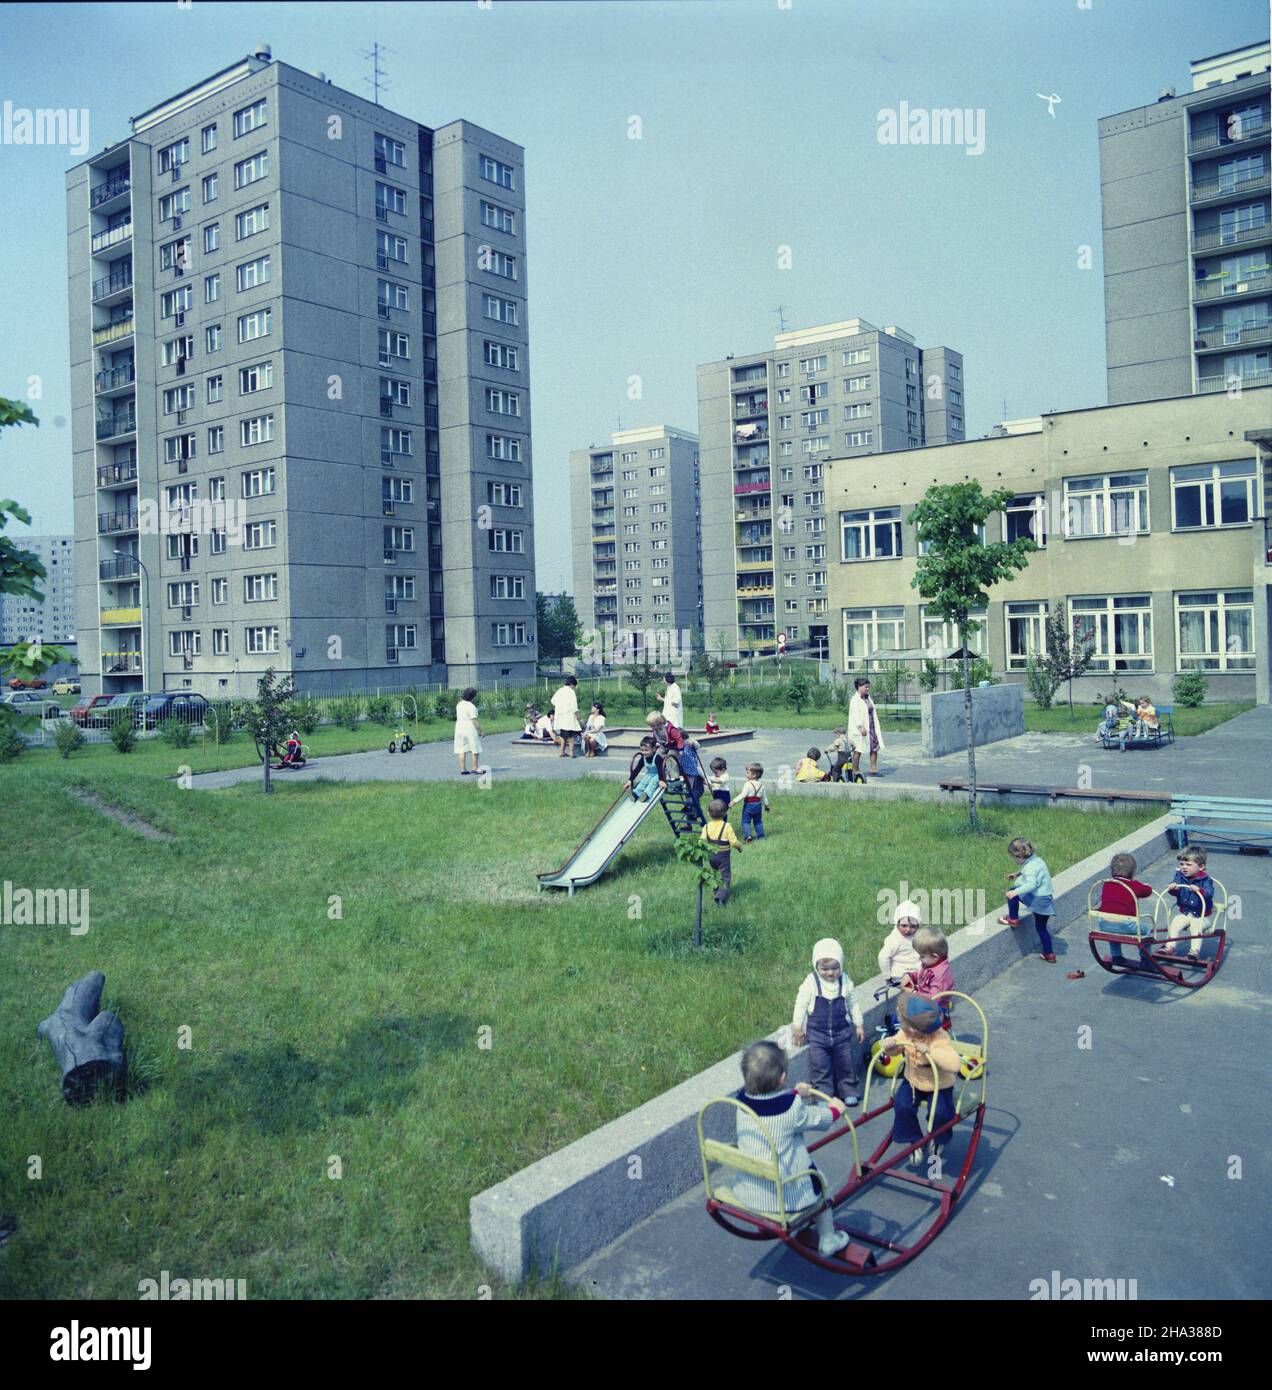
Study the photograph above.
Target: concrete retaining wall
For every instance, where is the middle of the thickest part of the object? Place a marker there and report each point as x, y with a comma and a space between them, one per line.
569, 1205
998, 712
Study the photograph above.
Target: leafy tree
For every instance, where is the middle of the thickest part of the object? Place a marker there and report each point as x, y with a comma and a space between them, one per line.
644, 674
1068, 653
559, 629
930, 675
691, 850
957, 570
1042, 684
1190, 689
798, 692
267, 715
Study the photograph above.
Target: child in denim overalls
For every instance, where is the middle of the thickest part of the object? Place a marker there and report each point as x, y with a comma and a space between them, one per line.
645, 774
828, 1015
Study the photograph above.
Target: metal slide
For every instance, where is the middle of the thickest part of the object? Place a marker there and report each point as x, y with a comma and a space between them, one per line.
596, 852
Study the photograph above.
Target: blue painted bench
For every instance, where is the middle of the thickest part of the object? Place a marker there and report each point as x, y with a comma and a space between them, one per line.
1164, 733
1228, 820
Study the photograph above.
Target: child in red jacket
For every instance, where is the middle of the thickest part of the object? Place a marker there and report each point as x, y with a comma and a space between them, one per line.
934, 975
1119, 896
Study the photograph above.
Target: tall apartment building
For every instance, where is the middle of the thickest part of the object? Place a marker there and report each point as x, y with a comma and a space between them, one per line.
1151, 520
767, 422
301, 394
1187, 234
635, 528
53, 620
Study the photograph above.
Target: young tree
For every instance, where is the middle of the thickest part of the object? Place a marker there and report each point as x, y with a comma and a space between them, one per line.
691, 850
1068, 653
267, 715
643, 674
559, 629
957, 570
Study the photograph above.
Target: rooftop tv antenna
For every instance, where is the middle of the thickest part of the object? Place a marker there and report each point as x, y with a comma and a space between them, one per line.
780, 311
376, 81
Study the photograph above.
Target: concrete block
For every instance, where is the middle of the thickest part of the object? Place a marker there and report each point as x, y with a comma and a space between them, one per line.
998, 712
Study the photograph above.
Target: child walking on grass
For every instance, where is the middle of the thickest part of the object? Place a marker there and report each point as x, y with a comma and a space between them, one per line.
754, 803
1033, 892
718, 782
828, 1016
778, 1120
719, 834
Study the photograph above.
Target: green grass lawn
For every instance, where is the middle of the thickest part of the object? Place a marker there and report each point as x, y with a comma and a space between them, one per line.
1086, 718
359, 1036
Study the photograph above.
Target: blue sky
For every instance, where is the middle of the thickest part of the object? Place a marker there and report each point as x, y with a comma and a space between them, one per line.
647, 257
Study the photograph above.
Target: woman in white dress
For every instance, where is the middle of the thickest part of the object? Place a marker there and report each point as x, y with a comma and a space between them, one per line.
467, 732
673, 702
594, 740
565, 716
864, 732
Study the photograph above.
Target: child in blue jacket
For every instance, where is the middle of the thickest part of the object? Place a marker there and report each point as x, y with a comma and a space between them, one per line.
1194, 892
1033, 891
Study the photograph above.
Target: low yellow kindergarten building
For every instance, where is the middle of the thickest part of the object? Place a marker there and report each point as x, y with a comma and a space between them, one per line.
1151, 520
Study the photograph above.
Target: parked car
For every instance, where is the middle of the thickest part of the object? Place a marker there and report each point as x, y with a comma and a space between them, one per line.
133, 703
22, 697
81, 713
17, 683
174, 704
68, 685
27, 705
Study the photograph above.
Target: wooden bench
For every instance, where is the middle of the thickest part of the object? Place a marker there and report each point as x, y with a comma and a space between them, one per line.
1109, 794
1227, 820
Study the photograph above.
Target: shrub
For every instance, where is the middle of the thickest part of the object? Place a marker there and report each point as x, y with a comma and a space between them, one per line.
346, 711
929, 676
175, 733
68, 737
1042, 683
1190, 689
444, 705
823, 695
220, 721
304, 714
982, 670
122, 732
12, 744
381, 709
798, 693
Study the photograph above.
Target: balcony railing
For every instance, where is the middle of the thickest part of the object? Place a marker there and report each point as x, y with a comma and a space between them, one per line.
1234, 236
755, 514
752, 461
1216, 137
112, 188
740, 488
1218, 336
113, 474
103, 241
115, 377
120, 567
750, 434
119, 424
113, 332
1206, 190
121, 617
744, 410
1225, 285
1234, 381
121, 663
112, 284
755, 591
109, 523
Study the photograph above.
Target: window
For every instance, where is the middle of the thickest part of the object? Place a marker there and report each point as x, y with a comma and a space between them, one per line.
259, 588
178, 398
507, 586
180, 545
811, 552
955, 371
395, 489
260, 639
502, 402
497, 262
925, 547
871, 630
211, 237
174, 204
398, 392
1026, 633
818, 444
216, 489
184, 594
857, 383
174, 155
658, 472
787, 475
815, 526
185, 642
808, 365
814, 499
399, 586
1113, 505
501, 310
258, 429
391, 151
260, 535
812, 418
215, 385
783, 369
509, 542
815, 579
177, 348
399, 538
394, 346
399, 637
871, 535
219, 540
221, 589
251, 221
495, 172
500, 355
389, 248
630, 474
943, 635
251, 118
854, 356
509, 634
784, 422
251, 169
859, 439
173, 302
175, 254
252, 273
1118, 629
390, 198
657, 508
1215, 631
209, 138
258, 377
1213, 494
501, 218
631, 492
392, 295
1026, 519
657, 489
257, 482
181, 495
790, 580
220, 641
504, 494
216, 439
211, 288
503, 446
254, 325
210, 187
858, 410
212, 338
631, 547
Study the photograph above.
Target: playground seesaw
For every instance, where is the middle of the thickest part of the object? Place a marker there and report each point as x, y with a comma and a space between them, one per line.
1186, 963
866, 1254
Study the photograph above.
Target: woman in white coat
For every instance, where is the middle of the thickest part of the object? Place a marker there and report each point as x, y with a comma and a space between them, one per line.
467, 732
864, 732
565, 716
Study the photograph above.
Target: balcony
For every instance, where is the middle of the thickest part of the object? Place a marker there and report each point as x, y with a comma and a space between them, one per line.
116, 426
116, 474
1236, 236
755, 591
116, 186
605, 590
115, 523
755, 514
120, 567
113, 243
1219, 137
751, 461
1223, 285
765, 565
114, 379
749, 409
121, 663
739, 489
111, 285
749, 434
1222, 383
1211, 190
1215, 337
113, 332
121, 617
603, 535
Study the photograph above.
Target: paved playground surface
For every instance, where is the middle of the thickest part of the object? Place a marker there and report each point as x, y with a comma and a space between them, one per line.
1231, 759
1107, 1162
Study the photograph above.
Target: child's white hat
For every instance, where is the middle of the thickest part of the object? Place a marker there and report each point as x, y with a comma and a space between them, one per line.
906, 909
828, 949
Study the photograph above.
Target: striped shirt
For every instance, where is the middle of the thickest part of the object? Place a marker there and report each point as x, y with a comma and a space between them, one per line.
780, 1116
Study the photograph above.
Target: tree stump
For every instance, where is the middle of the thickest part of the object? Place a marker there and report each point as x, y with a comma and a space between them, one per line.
88, 1045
